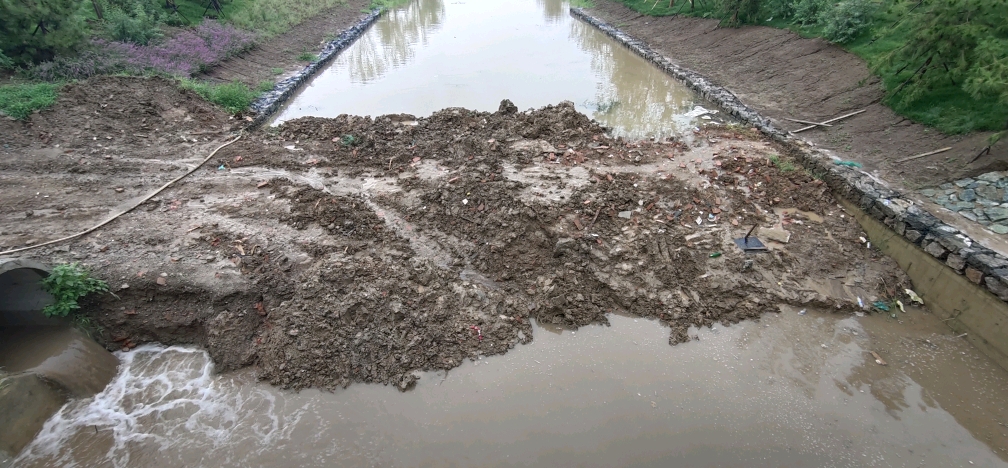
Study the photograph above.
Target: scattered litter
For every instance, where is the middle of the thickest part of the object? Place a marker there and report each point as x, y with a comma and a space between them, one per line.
880, 305
900, 305
625, 214
750, 243
878, 359
803, 312
699, 220
715, 254
848, 163
478, 331
220, 168
860, 303
711, 217
914, 297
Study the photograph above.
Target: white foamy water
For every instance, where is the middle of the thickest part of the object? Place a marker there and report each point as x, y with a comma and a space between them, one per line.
161, 398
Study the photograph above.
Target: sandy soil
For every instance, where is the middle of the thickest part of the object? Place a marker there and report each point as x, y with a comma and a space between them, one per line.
781, 74
329, 251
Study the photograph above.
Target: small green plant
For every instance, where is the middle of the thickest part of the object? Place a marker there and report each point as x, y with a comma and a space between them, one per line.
306, 56
234, 97
6, 63
20, 100
783, 164
277, 70
264, 86
68, 283
348, 140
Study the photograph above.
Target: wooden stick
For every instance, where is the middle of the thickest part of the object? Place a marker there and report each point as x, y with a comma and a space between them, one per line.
929, 153
818, 124
878, 359
830, 121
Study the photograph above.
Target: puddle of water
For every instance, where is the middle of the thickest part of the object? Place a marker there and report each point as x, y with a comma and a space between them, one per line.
433, 54
791, 390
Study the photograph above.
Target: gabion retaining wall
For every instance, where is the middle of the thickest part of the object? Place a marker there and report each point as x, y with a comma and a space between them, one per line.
269, 103
980, 265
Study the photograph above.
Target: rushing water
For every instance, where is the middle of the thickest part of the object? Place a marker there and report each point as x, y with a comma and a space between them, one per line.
792, 390
434, 54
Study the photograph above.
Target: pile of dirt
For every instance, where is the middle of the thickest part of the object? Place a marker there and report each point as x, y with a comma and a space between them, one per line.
331, 251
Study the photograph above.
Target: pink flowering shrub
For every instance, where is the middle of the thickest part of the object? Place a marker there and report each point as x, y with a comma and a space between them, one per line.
187, 53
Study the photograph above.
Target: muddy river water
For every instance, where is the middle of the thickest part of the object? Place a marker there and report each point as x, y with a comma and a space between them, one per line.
796, 388
434, 54
790, 390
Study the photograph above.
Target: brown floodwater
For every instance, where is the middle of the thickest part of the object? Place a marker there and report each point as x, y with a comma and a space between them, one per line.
434, 54
790, 390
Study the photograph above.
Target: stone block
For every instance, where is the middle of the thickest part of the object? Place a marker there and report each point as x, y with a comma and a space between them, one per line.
956, 262
936, 250
974, 275
913, 235
997, 286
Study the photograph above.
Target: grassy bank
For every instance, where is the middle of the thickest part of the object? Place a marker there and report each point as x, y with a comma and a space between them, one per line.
882, 34
21, 100
137, 37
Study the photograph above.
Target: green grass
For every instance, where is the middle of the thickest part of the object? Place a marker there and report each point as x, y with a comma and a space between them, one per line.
385, 5
272, 17
20, 100
949, 109
582, 3
306, 56
264, 86
234, 97
277, 70
785, 165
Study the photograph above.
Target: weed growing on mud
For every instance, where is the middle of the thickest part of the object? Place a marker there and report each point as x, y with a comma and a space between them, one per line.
784, 165
234, 97
20, 100
306, 56
277, 70
264, 86
68, 283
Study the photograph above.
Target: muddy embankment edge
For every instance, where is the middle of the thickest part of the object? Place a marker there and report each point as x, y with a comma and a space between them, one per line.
266, 105
978, 305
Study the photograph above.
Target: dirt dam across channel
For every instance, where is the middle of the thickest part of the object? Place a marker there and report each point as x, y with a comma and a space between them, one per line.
382, 279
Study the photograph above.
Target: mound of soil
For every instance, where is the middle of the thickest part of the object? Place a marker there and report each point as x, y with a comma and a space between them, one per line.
331, 251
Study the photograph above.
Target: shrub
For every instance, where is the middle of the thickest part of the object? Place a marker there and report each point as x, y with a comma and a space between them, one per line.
68, 283
846, 20
85, 65
20, 100
137, 24
234, 97
809, 12
39, 30
6, 63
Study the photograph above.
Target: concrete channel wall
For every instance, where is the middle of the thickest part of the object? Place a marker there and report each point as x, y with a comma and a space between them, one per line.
963, 282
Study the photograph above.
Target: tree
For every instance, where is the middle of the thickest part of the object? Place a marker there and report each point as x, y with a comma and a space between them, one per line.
959, 42
35, 30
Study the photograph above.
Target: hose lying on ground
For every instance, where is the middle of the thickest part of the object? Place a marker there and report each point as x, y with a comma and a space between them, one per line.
127, 210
